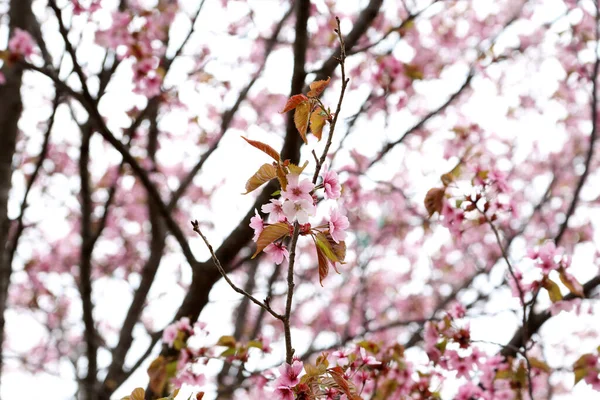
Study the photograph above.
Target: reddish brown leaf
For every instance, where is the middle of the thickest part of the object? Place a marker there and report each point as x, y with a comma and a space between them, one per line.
324, 244
293, 102
199, 395
270, 234
317, 87
317, 122
301, 118
347, 387
264, 147
323, 264
157, 371
137, 394
281, 176
264, 174
434, 199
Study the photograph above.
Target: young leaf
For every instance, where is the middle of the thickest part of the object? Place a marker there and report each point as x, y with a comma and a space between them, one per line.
434, 200
137, 394
264, 147
157, 371
264, 174
227, 341
539, 364
347, 387
570, 282
293, 102
281, 177
325, 246
301, 118
553, 290
317, 122
317, 87
323, 264
270, 234
294, 169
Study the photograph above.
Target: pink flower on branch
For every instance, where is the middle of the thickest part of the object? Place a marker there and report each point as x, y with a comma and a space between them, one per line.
338, 224
275, 210
331, 184
21, 44
277, 252
257, 224
290, 374
297, 190
299, 210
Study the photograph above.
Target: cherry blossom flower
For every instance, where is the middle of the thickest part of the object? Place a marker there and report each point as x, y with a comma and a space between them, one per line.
277, 252
331, 184
297, 190
338, 223
21, 43
299, 210
170, 334
275, 210
457, 310
368, 359
257, 224
188, 377
2, 79
290, 374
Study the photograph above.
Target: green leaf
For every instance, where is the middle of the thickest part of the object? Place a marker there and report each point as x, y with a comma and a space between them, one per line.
553, 290
301, 118
324, 244
265, 148
369, 346
539, 364
228, 352
294, 169
255, 343
227, 341
504, 374
580, 373
264, 174
270, 234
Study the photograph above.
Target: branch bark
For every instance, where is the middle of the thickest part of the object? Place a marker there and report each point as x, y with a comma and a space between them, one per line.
11, 106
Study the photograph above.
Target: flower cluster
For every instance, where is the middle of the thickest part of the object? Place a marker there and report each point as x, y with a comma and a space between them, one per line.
21, 44
139, 42
298, 203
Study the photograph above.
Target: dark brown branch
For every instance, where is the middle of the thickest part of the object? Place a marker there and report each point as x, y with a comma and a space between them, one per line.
90, 105
389, 146
202, 283
85, 269
116, 374
11, 107
536, 320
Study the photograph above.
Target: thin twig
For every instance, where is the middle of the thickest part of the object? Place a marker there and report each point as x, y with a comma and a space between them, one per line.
289, 350
342, 61
524, 318
259, 303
